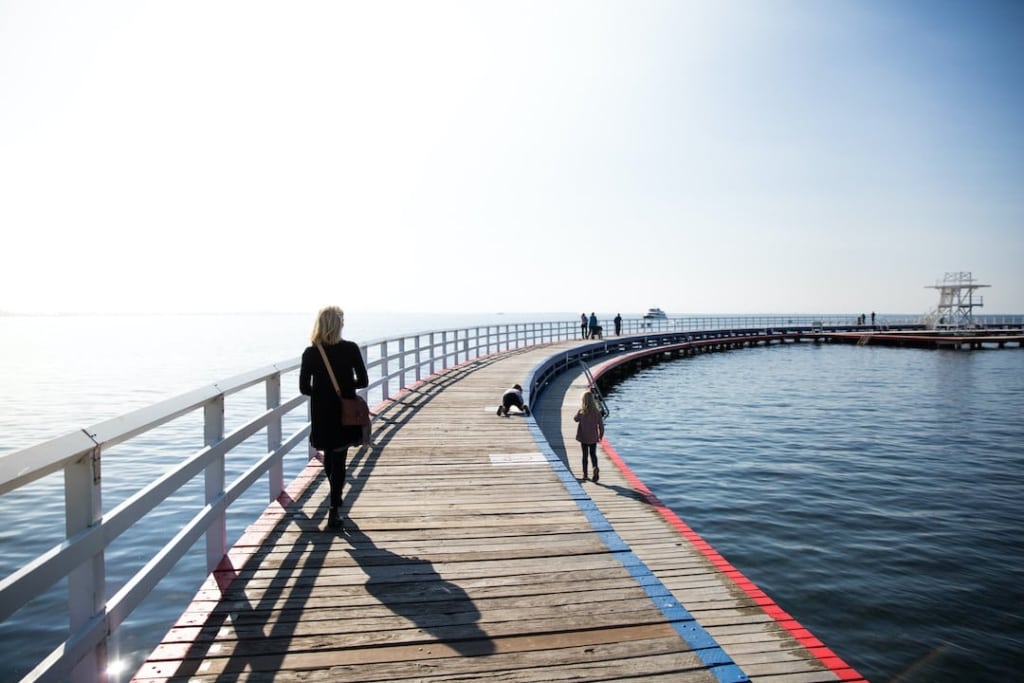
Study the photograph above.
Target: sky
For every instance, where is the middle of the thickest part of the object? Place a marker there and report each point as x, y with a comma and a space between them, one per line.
727, 156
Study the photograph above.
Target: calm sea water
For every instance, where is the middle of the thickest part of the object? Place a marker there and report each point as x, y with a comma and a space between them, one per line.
876, 494
872, 492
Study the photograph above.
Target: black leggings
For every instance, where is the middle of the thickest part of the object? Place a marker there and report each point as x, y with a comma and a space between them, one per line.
509, 400
590, 448
334, 466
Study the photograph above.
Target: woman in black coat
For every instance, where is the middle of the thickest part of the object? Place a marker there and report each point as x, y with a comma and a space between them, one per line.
327, 434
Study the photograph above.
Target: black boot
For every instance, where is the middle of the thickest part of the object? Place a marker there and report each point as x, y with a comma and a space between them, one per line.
333, 519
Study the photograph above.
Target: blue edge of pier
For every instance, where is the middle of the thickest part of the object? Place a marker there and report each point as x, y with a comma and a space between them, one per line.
684, 623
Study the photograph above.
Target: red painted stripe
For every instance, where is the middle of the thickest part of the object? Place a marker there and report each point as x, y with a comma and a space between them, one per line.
827, 657
824, 655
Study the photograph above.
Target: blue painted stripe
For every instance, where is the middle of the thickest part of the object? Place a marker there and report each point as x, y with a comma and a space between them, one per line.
699, 640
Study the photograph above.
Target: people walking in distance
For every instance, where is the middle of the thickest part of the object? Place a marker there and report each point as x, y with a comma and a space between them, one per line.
584, 325
327, 434
592, 323
513, 397
589, 430
618, 324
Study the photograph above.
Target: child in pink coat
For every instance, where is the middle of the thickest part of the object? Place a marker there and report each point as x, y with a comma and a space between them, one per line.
589, 430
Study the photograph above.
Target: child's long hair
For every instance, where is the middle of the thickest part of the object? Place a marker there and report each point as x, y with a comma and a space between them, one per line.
588, 404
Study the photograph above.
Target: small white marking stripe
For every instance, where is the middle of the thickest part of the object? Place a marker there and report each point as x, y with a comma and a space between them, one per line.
514, 459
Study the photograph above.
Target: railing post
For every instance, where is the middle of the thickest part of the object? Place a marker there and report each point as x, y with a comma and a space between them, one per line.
433, 353
310, 451
419, 357
213, 433
401, 364
87, 582
385, 373
275, 475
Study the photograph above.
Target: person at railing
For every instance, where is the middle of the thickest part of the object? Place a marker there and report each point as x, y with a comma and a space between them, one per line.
589, 430
327, 434
595, 330
513, 397
584, 325
618, 324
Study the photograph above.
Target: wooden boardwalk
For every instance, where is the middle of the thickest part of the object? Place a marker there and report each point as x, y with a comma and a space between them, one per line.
470, 551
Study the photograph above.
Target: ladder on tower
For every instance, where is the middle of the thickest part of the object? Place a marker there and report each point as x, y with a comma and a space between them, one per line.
595, 390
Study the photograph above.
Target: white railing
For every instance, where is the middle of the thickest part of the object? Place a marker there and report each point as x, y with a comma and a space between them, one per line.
76, 562
79, 558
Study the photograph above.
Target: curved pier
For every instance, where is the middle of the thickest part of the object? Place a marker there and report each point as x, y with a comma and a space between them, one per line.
504, 493
471, 550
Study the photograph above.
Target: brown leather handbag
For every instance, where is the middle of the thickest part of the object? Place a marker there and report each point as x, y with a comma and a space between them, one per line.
354, 411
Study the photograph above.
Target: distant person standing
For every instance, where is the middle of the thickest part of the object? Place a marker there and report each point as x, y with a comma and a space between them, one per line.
872, 318
593, 325
589, 430
618, 324
327, 434
583, 325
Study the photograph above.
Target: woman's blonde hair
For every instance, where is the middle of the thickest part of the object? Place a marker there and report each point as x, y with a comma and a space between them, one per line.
327, 328
588, 404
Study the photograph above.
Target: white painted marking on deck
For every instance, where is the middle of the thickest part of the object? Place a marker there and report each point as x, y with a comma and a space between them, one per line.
494, 409
517, 459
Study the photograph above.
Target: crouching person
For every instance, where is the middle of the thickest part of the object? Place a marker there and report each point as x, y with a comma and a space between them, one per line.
513, 397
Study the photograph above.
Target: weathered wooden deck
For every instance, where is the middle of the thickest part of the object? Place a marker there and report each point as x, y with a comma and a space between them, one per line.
471, 551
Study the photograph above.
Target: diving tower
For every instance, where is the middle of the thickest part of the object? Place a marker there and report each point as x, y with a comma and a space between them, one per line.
957, 302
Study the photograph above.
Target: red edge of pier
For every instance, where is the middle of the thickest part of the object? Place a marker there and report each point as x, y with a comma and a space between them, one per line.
826, 656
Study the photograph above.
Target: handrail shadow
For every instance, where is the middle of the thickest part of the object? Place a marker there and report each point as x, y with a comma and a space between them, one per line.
410, 587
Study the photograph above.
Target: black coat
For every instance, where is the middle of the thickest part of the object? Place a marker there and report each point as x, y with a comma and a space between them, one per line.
327, 431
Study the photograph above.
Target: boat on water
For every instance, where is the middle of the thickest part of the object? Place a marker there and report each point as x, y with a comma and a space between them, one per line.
655, 314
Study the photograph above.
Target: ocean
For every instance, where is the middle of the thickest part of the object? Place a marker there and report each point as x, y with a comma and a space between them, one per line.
873, 493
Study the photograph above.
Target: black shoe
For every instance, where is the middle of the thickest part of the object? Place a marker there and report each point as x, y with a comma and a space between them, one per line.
597, 474
499, 411
526, 411
333, 519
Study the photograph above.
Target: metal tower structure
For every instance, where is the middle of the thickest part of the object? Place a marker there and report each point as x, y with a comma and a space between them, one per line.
957, 302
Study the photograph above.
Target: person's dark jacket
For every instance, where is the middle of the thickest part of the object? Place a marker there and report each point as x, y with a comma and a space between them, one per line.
327, 431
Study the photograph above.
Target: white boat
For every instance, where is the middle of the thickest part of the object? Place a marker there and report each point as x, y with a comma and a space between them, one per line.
655, 314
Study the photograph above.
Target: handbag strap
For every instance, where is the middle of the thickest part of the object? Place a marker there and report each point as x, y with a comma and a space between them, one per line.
330, 370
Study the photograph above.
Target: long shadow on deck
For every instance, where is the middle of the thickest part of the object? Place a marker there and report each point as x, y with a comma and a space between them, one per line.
263, 629
412, 588
407, 586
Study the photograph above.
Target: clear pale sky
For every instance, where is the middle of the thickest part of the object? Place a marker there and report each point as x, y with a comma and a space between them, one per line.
705, 157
